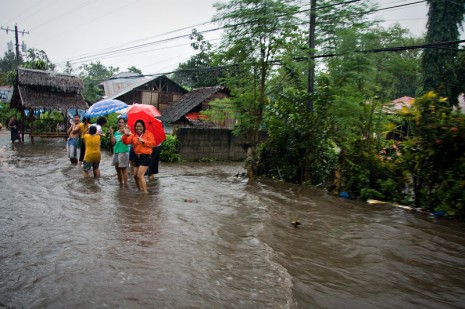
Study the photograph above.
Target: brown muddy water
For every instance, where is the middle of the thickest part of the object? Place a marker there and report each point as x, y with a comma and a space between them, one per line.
203, 238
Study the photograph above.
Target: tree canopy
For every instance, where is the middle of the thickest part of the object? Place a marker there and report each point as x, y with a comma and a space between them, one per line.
93, 74
439, 63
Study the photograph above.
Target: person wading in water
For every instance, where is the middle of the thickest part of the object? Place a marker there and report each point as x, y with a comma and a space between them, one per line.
73, 138
142, 142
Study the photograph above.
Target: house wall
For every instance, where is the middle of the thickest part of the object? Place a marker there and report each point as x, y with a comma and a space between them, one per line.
131, 97
219, 144
161, 92
6, 93
161, 100
150, 97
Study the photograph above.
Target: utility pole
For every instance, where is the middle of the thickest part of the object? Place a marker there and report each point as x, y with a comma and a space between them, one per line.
311, 53
310, 84
7, 29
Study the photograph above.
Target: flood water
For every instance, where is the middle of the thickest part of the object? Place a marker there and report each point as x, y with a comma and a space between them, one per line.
204, 238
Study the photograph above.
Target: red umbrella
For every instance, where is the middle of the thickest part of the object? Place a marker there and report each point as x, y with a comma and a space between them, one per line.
145, 113
148, 108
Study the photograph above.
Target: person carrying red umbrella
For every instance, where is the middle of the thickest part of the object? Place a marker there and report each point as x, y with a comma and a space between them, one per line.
142, 142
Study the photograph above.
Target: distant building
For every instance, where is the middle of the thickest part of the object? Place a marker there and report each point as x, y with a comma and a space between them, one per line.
398, 105
40, 91
159, 91
186, 111
5, 93
120, 81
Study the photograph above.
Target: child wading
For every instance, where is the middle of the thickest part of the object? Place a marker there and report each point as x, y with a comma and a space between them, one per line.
92, 155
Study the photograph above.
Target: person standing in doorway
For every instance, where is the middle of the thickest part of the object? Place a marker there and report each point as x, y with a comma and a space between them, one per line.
73, 138
142, 142
120, 152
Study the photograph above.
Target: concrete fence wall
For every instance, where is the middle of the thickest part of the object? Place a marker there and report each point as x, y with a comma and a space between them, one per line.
220, 144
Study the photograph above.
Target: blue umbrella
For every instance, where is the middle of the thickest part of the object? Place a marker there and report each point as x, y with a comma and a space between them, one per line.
105, 107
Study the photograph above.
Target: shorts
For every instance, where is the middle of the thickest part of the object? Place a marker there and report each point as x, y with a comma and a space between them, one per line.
120, 159
142, 159
71, 147
86, 166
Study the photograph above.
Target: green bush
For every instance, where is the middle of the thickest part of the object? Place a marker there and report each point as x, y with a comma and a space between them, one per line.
6, 112
435, 158
375, 173
169, 150
112, 120
367, 193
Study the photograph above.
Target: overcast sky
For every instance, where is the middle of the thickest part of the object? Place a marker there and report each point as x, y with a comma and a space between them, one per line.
112, 31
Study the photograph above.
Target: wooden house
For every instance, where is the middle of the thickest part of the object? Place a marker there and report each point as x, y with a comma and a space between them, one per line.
186, 112
159, 91
38, 92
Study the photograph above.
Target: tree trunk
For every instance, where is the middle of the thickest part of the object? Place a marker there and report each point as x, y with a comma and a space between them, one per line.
250, 161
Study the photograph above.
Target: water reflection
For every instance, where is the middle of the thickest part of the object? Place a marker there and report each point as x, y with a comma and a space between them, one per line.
204, 238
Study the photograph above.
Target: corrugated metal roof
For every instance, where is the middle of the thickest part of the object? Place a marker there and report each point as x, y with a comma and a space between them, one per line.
120, 81
398, 105
188, 102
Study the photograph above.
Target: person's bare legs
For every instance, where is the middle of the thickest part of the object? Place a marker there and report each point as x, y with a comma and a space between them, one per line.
97, 173
118, 174
124, 175
136, 179
139, 176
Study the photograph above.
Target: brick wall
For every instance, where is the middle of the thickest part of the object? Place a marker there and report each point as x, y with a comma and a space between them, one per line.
219, 144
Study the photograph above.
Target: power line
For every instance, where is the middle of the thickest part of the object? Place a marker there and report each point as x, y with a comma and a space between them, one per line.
124, 48
436, 45
119, 46
30, 9
87, 23
139, 46
396, 6
107, 52
64, 14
